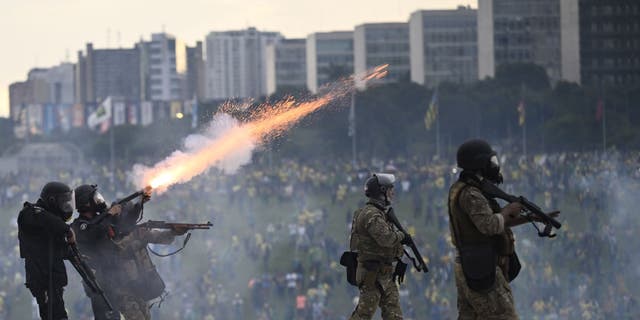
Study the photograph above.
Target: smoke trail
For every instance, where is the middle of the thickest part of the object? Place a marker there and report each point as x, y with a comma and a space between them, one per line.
227, 144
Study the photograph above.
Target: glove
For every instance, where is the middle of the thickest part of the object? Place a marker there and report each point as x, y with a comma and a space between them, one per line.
407, 240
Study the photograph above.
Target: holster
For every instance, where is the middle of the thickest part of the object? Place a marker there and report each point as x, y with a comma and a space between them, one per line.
514, 267
399, 271
349, 259
479, 266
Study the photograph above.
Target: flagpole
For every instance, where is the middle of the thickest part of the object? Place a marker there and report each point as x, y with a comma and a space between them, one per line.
353, 124
438, 135
524, 123
112, 165
604, 127
437, 115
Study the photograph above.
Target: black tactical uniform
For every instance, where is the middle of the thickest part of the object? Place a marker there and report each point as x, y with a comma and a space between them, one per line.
41, 233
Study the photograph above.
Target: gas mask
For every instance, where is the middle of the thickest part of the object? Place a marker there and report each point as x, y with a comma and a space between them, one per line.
98, 202
65, 204
492, 171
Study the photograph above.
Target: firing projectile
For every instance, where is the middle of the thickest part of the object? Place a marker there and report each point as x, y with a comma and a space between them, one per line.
134, 195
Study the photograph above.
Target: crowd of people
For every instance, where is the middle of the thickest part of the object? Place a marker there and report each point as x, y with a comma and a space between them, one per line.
279, 228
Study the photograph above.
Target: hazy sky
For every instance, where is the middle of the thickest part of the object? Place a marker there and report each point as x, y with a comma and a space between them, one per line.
43, 33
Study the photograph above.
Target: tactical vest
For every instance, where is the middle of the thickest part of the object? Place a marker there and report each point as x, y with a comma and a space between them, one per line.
464, 232
361, 242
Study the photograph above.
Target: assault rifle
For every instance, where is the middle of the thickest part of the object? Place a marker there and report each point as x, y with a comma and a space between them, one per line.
89, 279
419, 264
532, 209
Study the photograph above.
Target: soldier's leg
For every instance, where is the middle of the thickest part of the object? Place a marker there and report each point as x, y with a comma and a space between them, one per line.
390, 299
496, 304
133, 308
465, 311
367, 304
43, 298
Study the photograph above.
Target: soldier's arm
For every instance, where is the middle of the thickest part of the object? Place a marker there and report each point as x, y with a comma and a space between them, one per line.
477, 207
382, 232
161, 237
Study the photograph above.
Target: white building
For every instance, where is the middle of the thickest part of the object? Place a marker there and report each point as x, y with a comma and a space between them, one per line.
236, 63
382, 43
329, 56
443, 46
286, 65
167, 67
544, 32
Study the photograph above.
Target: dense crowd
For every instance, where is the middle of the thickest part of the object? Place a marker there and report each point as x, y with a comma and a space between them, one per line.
280, 227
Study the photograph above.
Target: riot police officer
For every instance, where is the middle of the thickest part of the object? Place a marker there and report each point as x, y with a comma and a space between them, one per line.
94, 229
44, 237
378, 244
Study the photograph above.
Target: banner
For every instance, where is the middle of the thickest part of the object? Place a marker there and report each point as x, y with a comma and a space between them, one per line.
78, 115
132, 114
119, 113
146, 113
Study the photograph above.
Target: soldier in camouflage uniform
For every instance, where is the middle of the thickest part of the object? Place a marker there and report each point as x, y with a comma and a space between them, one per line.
476, 222
378, 244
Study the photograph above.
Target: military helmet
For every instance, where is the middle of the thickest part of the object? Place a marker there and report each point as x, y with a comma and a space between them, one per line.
58, 198
88, 199
378, 184
474, 155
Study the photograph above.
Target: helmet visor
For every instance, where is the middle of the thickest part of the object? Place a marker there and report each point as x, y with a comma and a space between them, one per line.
386, 179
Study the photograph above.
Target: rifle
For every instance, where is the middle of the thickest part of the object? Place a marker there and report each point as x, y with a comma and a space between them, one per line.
419, 265
89, 279
156, 224
549, 222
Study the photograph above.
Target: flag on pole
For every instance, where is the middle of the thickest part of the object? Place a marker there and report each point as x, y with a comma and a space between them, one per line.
432, 112
101, 116
599, 110
521, 113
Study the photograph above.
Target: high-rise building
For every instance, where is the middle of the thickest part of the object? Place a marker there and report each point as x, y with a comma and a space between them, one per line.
383, 43
443, 45
195, 72
101, 73
609, 41
329, 57
165, 67
42, 102
544, 32
235, 63
286, 65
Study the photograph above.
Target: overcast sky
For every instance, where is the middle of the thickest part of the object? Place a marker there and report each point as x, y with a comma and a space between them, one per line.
43, 33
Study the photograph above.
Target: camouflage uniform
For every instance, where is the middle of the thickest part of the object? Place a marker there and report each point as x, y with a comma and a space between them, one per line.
476, 219
377, 244
137, 268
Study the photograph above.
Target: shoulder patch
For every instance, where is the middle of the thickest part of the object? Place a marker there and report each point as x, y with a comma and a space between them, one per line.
83, 226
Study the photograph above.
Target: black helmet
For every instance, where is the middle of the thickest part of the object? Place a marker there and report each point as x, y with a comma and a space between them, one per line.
88, 199
477, 156
377, 185
58, 198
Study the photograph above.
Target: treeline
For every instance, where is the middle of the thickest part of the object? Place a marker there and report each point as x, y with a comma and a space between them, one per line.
390, 121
